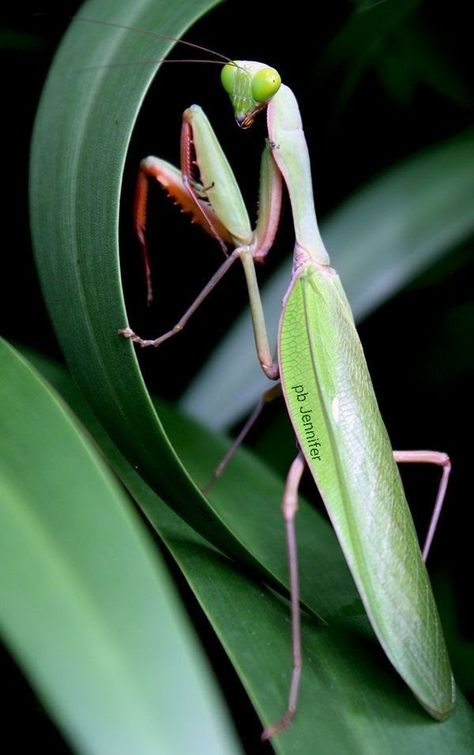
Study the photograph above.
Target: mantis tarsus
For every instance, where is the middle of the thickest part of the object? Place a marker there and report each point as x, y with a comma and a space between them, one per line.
324, 381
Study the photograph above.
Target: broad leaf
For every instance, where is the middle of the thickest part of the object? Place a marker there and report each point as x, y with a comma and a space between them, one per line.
82, 131
351, 699
86, 606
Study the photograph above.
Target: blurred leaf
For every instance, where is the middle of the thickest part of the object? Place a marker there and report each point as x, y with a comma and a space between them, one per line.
457, 330
365, 5
389, 39
14, 39
86, 607
378, 240
350, 697
413, 59
461, 650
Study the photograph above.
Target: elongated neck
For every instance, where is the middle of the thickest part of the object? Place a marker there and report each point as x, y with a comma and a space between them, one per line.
290, 152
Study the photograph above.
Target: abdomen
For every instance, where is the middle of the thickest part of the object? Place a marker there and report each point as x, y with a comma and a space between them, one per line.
336, 419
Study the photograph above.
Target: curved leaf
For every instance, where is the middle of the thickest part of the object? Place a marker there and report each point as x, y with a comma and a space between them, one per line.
86, 607
81, 135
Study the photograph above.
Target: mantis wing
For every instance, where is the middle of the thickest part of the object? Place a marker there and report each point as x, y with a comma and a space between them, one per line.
336, 418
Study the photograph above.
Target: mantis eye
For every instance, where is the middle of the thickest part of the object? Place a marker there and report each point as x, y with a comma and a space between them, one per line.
265, 84
228, 77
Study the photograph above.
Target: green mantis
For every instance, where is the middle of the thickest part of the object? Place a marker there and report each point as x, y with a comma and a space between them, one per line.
324, 380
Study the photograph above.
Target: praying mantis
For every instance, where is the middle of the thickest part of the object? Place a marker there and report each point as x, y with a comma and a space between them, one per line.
323, 376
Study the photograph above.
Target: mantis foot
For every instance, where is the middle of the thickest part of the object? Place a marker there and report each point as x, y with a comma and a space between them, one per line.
270, 731
129, 333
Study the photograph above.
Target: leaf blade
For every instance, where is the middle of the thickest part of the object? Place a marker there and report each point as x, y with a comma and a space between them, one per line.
85, 120
350, 698
86, 607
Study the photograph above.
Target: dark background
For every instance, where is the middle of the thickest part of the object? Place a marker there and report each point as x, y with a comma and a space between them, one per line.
413, 90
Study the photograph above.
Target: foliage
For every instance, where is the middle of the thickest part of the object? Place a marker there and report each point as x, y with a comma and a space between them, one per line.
229, 548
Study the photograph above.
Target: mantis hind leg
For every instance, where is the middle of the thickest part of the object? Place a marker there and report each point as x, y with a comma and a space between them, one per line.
266, 398
289, 508
429, 457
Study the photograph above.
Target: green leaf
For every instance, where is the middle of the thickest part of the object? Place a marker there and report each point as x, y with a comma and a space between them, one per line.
87, 608
379, 240
351, 699
81, 135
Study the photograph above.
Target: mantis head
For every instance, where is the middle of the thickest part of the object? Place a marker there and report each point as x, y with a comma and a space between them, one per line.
250, 86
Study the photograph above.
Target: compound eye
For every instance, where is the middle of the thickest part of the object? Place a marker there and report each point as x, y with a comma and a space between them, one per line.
265, 84
228, 74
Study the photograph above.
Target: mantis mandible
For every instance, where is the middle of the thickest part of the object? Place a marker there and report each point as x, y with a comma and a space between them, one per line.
324, 380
